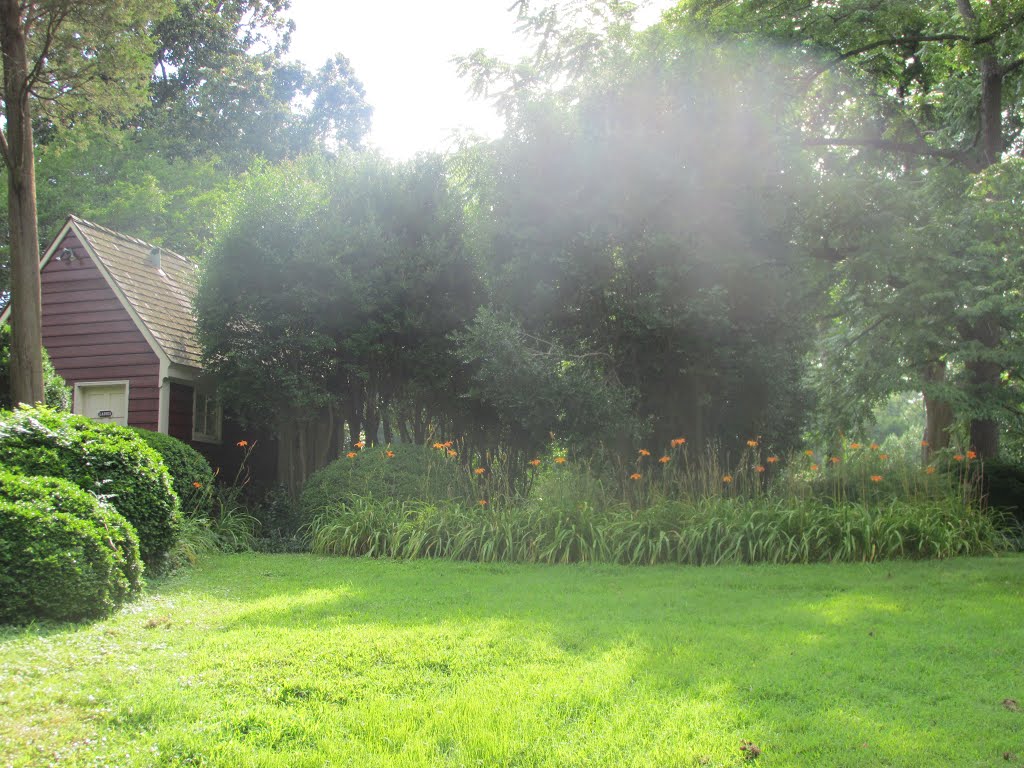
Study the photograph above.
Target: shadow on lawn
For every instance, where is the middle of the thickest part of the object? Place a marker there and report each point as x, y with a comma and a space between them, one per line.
881, 660
876, 657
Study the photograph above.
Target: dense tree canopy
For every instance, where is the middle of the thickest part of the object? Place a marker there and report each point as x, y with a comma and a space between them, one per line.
754, 220
911, 110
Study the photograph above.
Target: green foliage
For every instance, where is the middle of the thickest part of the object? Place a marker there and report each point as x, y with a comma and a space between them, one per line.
105, 459
329, 299
56, 565
223, 86
230, 529
56, 390
415, 472
528, 389
191, 475
51, 494
578, 210
913, 111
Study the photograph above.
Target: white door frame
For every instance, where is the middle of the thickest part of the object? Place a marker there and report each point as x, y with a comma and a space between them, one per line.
77, 401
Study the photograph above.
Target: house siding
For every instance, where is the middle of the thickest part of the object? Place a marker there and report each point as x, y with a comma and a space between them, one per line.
179, 416
91, 337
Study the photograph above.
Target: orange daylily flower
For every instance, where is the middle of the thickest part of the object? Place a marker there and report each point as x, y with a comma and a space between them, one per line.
772, 459
752, 443
644, 452
197, 485
452, 454
535, 463
447, 444
351, 455
665, 459
883, 456
854, 446
759, 468
929, 470
834, 459
678, 441
726, 479
242, 443
635, 476
360, 444
972, 455
389, 454
958, 457
438, 445
875, 446
808, 452
479, 471
560, 459
482, 502
876, 478
924, 443
814, 467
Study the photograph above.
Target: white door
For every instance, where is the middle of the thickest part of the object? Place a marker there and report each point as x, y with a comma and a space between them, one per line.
107, 403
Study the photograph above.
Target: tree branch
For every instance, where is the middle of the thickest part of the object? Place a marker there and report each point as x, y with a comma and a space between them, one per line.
52, 25
951, 37
916, 148
966, 10
1012, 66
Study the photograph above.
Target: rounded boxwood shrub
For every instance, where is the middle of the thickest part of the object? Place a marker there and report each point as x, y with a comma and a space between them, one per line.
54, 565
107, 460
415, 472
191, 475
56, 495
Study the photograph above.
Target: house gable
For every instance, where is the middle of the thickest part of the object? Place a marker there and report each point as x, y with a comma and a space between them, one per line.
89, 333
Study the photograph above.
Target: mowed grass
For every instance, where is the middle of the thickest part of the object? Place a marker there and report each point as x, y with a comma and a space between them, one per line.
304, 661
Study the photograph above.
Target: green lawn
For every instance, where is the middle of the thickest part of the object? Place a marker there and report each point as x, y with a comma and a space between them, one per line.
305, 661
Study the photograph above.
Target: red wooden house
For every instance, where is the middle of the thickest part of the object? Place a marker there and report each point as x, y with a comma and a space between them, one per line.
119, 327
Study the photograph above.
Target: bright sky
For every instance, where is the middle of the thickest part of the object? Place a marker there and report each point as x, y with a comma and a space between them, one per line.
402, 51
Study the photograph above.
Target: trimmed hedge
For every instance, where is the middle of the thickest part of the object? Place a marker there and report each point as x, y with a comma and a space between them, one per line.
54, 565
107, 460
51, 494
188, 467
414, 473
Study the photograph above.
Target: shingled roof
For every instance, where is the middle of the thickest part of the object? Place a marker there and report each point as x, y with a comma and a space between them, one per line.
161, 296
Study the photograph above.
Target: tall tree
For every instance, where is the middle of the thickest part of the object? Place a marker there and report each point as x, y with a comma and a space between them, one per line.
223, 85
896, 88
83, 58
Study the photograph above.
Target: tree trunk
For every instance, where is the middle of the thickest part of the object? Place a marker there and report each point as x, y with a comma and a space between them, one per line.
938, 414
984, 376
355, 408
26, 301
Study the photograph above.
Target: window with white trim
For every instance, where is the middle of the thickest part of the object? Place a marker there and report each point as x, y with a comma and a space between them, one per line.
206, 417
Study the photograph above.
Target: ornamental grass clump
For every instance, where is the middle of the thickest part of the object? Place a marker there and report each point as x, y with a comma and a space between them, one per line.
671, 507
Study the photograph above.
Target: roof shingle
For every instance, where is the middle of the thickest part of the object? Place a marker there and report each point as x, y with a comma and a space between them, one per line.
162, 296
